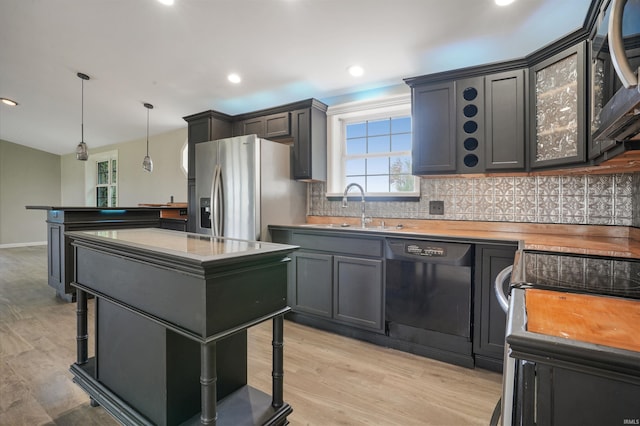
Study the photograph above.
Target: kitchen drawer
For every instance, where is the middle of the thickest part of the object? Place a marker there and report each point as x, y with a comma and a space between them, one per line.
339, 244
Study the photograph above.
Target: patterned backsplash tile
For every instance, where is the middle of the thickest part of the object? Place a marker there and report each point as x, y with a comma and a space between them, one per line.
583, 199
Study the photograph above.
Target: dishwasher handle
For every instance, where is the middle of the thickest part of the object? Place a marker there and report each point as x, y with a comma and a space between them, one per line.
499, 286
425, 251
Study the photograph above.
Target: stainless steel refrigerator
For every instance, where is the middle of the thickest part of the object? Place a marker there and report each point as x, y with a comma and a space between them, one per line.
243, 184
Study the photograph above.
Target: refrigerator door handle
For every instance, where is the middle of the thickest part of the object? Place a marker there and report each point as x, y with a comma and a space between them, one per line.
221, 206
215, 194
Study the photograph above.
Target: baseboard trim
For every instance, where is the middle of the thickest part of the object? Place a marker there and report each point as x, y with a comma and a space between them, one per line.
34, 243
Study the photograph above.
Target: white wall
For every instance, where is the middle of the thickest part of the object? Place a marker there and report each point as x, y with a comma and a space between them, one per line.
134, 184
27, 177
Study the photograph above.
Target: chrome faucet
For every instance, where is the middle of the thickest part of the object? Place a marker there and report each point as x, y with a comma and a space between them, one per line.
363, 219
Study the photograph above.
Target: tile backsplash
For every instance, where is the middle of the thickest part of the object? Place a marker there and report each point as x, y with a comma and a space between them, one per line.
612, 199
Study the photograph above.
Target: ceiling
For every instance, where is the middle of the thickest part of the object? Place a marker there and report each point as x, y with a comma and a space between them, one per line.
178, 57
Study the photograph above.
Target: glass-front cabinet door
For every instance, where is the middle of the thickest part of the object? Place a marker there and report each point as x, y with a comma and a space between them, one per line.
558, 109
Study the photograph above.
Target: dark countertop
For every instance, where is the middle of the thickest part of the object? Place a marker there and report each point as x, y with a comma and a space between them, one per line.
192, 247
84, 208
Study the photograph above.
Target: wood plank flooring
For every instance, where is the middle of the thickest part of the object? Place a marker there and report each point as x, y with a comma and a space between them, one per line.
329, 379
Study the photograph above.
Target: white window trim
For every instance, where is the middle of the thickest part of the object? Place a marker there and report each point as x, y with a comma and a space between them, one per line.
338, 115
90, 173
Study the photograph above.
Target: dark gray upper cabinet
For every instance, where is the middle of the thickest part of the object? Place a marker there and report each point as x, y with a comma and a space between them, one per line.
267, 126
557, 109
434, 129
470, 126
505, 120
309, 131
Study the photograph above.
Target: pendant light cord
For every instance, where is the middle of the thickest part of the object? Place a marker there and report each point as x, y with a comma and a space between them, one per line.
82, 111
147, 131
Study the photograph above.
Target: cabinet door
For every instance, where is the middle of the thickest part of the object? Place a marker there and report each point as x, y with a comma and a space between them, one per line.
558, 109
490, 319
310, 287
358, 292
434, 133
277, 125
253, 126
505, 113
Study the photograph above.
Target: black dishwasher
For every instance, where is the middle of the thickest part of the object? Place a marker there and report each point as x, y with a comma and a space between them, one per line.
428, 295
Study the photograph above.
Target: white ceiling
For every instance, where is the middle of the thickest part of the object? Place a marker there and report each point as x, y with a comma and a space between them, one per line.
178, 57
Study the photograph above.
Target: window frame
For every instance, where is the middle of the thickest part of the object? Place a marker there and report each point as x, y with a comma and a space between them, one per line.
91, 177
338, 116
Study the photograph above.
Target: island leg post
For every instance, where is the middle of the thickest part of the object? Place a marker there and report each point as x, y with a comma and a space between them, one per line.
82, 337
278, 369
208, 380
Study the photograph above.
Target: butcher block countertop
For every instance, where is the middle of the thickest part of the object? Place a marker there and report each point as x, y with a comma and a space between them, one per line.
598, 240
601, 320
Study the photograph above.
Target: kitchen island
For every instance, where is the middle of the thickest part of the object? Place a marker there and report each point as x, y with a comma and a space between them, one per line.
172, 309
65, 218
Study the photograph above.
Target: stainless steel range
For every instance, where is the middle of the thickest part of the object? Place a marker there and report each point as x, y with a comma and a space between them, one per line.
583, 365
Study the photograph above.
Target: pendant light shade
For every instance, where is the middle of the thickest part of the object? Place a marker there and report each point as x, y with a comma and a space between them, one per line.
82, 153
147, 163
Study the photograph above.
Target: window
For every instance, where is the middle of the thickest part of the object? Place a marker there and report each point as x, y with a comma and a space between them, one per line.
101, 179
106, 183
370, 144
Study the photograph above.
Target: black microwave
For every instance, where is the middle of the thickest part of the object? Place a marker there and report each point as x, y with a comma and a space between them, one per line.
615, 92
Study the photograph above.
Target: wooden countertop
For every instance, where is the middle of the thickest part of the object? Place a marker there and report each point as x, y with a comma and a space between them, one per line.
599, 240
601, 320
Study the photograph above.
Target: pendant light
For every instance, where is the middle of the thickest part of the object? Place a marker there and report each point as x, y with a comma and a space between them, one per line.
147, 163
82, 153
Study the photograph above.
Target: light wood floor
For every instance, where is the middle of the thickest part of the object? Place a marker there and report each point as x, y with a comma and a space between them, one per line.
329, 379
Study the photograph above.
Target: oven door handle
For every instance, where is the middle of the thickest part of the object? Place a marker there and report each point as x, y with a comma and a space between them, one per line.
616, 45
498, 287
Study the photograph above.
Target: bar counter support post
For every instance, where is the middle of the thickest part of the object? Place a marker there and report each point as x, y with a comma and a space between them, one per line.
278, 369
82, 337
208, 380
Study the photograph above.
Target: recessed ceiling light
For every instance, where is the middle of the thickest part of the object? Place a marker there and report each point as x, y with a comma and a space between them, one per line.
504, 2
166, 2
234, 78
356, 70
8, 101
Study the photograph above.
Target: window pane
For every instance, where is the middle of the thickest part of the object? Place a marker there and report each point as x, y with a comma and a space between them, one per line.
355, 167
102, 196
356, 130
401, 125
114, 197
400, 165
401, 142
379, 144
103, 172
379, 127
401, 183
378, 183
378, 166
356, 146
114, 171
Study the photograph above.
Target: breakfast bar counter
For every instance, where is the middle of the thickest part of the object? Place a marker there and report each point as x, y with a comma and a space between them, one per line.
172, 310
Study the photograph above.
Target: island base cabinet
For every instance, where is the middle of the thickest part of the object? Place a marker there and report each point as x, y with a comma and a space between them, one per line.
160, 374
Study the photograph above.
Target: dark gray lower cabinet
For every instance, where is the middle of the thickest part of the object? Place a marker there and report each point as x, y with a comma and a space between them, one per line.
489, 318
310, 283
336, 277
358, 287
